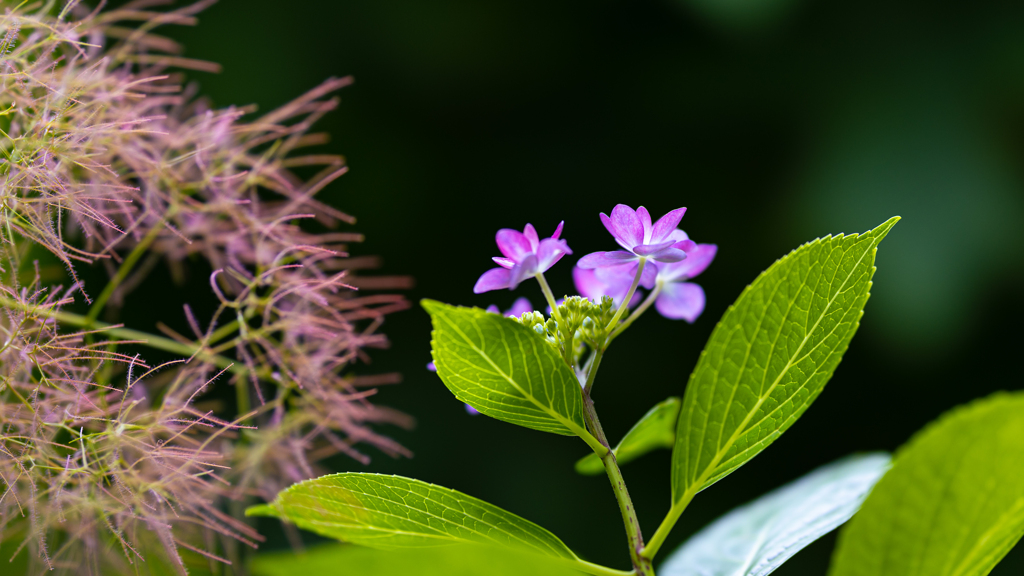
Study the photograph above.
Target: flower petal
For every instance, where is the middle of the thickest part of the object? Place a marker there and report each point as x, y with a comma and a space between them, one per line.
551, 251
522, 271
493, 309
666, 224
431, 367
648, 249
493, 279
558, 230
681, 301
645, 221
685, 245
668, 255
513, 244
602, 259
472, 411
504, 262
697, 260
628, 227
610, 226
587, 283
531, 236
519, 307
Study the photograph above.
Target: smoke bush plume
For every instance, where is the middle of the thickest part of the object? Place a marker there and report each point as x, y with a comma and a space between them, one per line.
108, 462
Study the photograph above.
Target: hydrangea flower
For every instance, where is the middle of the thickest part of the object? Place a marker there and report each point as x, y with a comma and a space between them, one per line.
523, 255
679, 299
614, 282
658, 242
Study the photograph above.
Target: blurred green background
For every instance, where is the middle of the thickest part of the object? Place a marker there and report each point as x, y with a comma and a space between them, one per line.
773, 121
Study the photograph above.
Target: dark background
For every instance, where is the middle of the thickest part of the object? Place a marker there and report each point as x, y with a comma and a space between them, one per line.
773, 121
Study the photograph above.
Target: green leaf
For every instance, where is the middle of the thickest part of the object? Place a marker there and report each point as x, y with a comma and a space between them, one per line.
953, 503
757, 538
657, 429
505, 370
457, 560
770, 356
392, 512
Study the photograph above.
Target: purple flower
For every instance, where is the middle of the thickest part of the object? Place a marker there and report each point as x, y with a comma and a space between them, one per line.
660, 242
614, 282
679, 299
519, 307
524, 255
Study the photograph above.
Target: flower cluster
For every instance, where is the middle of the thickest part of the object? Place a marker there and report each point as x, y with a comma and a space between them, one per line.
108, 161
656, 256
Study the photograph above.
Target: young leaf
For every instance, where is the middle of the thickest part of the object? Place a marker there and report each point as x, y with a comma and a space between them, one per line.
392, 512
657, 429
770, 356
456, 560
953, 503
757, 538
505, 370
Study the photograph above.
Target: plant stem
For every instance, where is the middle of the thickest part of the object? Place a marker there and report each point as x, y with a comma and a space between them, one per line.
563, 327
548, 295
151, 340
629, 295
642, 566
592, 372
122, 272
667, 524
636, 313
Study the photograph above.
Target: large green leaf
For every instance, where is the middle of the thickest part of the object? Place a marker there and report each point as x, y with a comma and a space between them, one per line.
953, 503
456, 560
505, 370
770, 356
392, 512
757, 538
657, 429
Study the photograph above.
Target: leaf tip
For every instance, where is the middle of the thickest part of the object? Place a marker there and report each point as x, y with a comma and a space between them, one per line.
265, 510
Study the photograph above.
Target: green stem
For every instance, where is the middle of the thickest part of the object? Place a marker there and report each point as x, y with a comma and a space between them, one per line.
592, 372
629, 295
151, 340
122, 272
563, 327
548, 295
641, 566
667, 524
636, 313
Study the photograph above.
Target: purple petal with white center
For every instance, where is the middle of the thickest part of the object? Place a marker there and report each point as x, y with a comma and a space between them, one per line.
507, 263
681, 301
645, 221
531, 236
519, 307
522, 271
551, 251
668, 255
472, 411
558, 230
602, 259
493, 309
697, 260
513, 244
628, 226
648, 249
666, 224
493, 279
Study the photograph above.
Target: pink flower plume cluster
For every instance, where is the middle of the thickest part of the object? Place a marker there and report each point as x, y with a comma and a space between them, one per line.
106, 160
